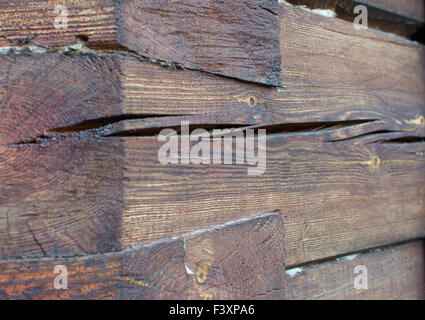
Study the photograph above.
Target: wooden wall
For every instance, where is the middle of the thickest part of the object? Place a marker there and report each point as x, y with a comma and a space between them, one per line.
81, 185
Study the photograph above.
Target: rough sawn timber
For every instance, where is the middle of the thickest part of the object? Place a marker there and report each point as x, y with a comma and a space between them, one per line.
238, 38
199, 265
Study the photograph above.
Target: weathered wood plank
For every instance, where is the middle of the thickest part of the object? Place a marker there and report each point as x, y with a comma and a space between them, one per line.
124, 96
33, 20
331, 72
233, 38
393, 273
335, 197
251, 253
330, 52
390, 16
389, 81
60, 203
414, 9
363, 193
189, 267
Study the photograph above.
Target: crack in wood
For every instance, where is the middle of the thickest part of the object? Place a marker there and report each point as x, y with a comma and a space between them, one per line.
404, 140
113, 127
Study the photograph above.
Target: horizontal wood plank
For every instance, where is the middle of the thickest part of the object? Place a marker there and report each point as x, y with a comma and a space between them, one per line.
233, 38
315, 180
193, 266
365, 194
414, 9
392, 16
393, 273
335, 197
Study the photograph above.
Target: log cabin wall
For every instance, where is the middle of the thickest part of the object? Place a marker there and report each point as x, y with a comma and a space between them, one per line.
86, 88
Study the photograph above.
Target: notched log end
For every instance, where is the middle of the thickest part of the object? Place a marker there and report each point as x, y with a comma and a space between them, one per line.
239, 39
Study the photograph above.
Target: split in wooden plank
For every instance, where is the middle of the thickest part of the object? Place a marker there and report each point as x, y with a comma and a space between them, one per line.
199, 265
391, 273
236, 38
363, 192
362, 75
121, 96
395, 17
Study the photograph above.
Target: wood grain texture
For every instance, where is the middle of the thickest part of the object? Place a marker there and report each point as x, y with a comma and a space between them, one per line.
335, 197
397, 17
413, 9
331, 72
60, 197
320, 51
364, 194
163, 271
395, 273
34, 20
81, 183
314, 179
232, 38
250, 253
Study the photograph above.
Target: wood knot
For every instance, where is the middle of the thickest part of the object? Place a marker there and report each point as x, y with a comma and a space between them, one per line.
207, 296
202, 272
422, 121
252, 101
376, 161
419, 121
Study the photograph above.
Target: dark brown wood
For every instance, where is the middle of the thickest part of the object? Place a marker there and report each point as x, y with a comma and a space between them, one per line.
233, 38
394, 16
59, 207
363, 185
195, 266
331, 72
80, 175
393, 273
190, 267
364, 194
414, 9
123, 96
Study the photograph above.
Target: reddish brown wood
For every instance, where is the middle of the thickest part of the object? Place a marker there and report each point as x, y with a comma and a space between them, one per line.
414, 9
237, 38
195, 266
396, 273
189, 267
394, 16
123, 96
234, 38
79, 169
65, 210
